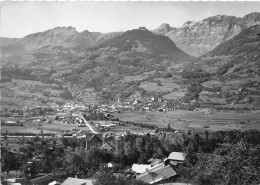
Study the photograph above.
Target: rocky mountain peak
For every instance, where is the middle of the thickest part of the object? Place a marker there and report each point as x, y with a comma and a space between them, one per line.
188, 23
253, 15
163, 29
251, 19
64, 30
198, 38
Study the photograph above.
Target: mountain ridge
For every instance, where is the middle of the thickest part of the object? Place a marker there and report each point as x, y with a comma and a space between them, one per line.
194, 37
123, 64
199, 37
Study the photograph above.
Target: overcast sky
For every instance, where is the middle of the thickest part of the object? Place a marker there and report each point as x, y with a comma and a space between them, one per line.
22, 18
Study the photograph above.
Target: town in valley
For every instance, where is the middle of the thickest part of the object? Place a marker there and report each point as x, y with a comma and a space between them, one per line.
165, 106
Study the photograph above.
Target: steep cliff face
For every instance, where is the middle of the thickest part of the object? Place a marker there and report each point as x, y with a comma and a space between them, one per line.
238, 56
198, 38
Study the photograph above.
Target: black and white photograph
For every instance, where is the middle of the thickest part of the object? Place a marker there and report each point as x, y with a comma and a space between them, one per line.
130, 92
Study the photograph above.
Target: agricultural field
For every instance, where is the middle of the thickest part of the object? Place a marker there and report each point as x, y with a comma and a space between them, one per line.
212, 83
174, 95
33, 127
196, 120
163, 87
134, 78
29, 92
55, 128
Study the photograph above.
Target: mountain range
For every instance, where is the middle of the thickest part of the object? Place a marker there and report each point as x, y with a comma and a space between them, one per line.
64, 64
199, 37
194, 38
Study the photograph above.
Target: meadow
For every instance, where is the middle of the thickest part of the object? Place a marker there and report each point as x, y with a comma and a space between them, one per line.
35, 128
196, 120
55, 128
181, 120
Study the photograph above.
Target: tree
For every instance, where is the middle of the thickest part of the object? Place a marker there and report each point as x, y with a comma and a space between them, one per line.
107, 178
130, 152
8, 162
74, 164
230, 164
104, 178
29, 170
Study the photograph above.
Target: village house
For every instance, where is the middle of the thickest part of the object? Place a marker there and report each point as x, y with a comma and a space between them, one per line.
157, 174
175, 158
43, 180
93, 141
76, 181
107, 147
140, 168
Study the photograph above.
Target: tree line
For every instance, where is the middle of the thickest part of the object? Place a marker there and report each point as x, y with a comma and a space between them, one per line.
222, 157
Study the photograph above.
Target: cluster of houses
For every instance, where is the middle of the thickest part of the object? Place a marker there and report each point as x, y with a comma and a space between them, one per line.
156, 171
49, 180
159, 169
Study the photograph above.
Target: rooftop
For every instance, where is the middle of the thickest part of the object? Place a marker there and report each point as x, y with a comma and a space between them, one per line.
140, 168
46, 179
178, 156
76, 181
156, 174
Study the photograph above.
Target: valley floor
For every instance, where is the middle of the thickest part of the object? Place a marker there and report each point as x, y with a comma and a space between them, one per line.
214, 121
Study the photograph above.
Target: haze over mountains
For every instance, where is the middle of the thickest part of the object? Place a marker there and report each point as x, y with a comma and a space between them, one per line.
65, 64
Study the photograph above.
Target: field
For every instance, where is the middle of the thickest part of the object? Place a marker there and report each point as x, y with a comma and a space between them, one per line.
134, 78
182, 120
196, 120
174, 95
28, 92
212, 83
55, 128
154, 87
31, 127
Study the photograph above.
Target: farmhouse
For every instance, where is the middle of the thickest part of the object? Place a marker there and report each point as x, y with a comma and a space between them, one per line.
157, 174
44, 180
76, 181
107, 147
93, 141
175, 158
140, 168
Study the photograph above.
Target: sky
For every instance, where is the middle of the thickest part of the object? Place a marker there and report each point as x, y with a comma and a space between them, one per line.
19, 19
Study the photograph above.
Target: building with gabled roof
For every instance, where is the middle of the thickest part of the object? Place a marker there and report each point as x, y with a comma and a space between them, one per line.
156, 174
177, 156
93, 141
43, 180
107, 147
140, 168
76, 181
